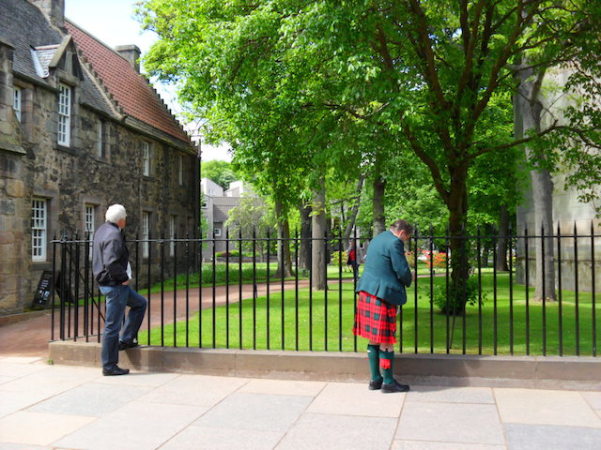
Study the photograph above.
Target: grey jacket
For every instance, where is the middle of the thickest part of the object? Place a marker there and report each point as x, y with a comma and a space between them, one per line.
110, 255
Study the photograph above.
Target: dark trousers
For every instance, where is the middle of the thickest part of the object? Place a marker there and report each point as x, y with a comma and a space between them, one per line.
117, 298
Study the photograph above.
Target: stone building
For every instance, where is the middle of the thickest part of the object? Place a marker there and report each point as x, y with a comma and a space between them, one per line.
580, 257
80, 129
216, 205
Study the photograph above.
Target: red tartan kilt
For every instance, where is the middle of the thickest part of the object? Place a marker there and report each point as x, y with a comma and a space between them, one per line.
375, 319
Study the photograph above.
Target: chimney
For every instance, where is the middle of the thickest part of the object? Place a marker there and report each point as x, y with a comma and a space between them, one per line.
132, 54
54, 10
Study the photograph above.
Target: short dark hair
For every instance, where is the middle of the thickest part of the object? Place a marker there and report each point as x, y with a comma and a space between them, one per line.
402, 225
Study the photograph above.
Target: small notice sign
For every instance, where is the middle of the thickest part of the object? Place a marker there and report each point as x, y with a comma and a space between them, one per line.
44, 290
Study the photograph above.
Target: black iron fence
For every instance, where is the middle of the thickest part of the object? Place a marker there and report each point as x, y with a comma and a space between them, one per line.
235, 292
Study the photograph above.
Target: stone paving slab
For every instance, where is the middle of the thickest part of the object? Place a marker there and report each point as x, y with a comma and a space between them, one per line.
356, 400
445, 395
39, 428
139, 425
593, 399
533, 406
283, 387
137, 378
450, 422
329, 431
261, 412
194, 438
531, 437
194, 390
92, 399
431, 445
11, 402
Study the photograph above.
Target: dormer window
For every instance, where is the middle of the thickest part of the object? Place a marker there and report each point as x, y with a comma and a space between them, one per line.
64, 115
17, 102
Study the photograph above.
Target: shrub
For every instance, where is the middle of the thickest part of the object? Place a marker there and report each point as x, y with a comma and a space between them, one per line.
454, 304
339, 257
438, 259
410, 256
232, 254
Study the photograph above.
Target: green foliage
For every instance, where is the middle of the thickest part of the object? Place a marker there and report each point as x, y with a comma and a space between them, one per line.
339, 258
454, 303
221, 172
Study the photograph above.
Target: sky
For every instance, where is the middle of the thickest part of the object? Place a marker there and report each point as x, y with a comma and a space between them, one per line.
112, 22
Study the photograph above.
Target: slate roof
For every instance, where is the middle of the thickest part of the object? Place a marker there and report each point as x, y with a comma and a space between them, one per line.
35, 40
130, 90
25, 27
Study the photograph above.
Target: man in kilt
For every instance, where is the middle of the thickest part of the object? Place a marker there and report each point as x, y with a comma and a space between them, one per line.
381, 291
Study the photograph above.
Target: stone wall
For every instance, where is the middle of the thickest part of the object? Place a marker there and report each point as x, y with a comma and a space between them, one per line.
14, 203
33, 165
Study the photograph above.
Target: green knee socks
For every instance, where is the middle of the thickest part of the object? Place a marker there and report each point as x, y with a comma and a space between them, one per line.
373, 354
386, 359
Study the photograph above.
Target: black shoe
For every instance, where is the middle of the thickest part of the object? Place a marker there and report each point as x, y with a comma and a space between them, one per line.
374, 385
389, 388
114, 371
126, 345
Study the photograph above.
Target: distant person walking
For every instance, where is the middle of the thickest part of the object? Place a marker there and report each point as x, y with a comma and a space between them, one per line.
381, 290
112, 271
353, 258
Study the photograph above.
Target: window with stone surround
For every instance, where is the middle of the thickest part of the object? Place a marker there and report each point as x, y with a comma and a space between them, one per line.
145, 234
180, 169
17, 102
64, 115
146, 159
90, 225
172, 235
101, 139
39, 229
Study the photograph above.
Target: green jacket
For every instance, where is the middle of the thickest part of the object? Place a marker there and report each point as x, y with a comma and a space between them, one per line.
386, 272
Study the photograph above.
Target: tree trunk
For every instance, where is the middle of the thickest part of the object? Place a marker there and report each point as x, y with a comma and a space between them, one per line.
459, 289
353, 214
378, 204
284, 260
528, 118
318, 230
503, 241
304, 256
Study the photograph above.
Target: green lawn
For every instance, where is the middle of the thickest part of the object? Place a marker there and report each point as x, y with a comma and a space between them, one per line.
262, 324
260, 272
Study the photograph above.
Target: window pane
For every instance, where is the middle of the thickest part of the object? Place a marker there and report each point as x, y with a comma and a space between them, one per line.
17, 102
64, 115
145, 233
146, 159
38, 229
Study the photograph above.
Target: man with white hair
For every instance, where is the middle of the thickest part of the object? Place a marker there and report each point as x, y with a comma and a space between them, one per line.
110, 265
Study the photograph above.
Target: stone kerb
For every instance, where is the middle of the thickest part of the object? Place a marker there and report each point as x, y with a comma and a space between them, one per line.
452, 370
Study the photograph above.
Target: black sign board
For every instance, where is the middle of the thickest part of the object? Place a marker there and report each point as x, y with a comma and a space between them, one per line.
44, 290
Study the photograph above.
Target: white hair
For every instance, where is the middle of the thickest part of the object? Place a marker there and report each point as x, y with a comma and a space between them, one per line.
115, 213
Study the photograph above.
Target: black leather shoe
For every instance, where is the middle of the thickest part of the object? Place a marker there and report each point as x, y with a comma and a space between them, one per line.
126, 345
374, 385
390, 388
114, 371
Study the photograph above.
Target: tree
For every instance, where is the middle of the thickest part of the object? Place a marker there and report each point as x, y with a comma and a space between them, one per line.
433, 75
251, 218
221, 172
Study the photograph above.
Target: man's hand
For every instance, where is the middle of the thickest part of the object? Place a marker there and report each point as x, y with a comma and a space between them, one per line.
413, 275
125, 283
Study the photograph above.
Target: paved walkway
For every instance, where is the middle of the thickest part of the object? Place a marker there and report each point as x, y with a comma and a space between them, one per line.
44, 406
